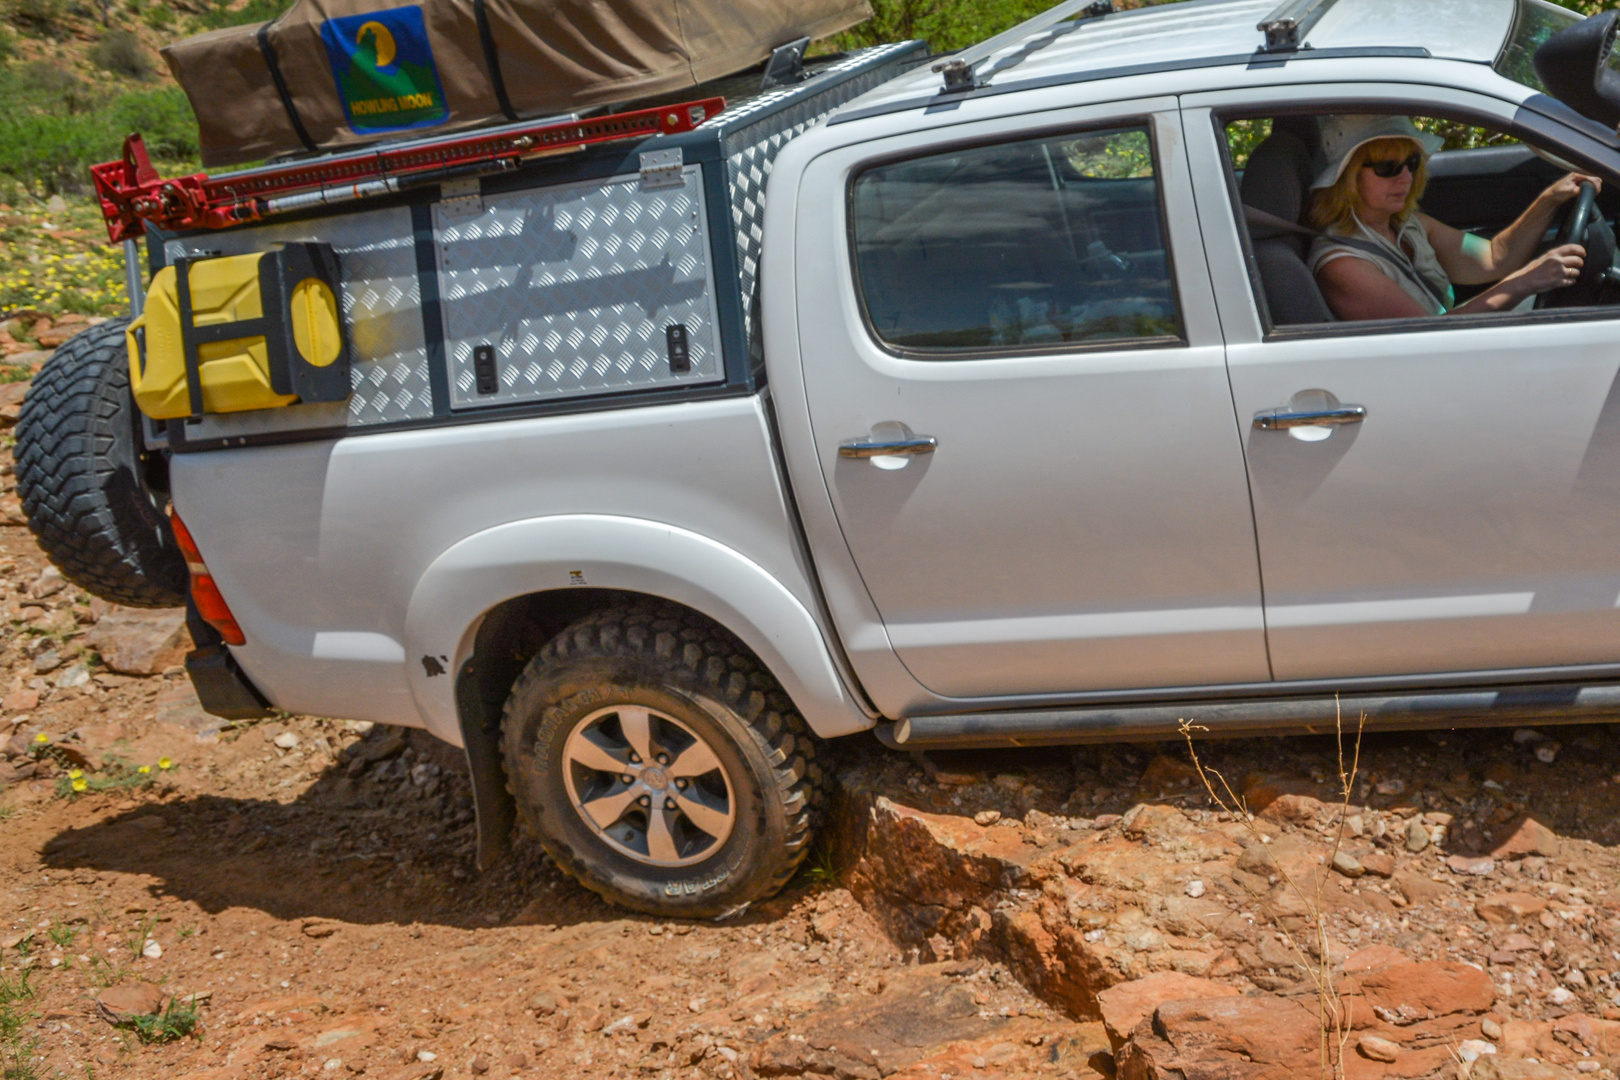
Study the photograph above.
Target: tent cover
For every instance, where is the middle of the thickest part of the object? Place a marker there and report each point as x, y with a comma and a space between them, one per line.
334, 73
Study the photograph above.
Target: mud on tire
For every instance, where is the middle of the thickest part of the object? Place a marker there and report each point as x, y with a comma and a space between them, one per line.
81, 480
672, 663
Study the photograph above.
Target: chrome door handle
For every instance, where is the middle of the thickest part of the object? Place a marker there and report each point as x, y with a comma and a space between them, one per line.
869, 448
1277, 419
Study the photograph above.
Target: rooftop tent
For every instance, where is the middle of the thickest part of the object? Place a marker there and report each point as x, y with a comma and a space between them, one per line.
333, 73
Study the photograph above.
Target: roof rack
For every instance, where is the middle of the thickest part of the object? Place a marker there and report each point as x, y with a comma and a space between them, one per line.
133, 195
1285, 28
961, 70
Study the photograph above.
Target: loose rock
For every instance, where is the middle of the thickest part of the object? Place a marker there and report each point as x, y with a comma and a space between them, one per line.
140, 642
1346, 864
1371, 1046
1464, 864
122, 1003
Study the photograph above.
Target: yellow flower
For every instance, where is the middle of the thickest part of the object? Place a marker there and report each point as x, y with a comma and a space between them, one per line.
74, 774
165, 764
42, 738
144, 769
81, 785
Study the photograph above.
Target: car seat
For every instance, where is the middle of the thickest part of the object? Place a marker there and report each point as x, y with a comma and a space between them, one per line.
1274, 182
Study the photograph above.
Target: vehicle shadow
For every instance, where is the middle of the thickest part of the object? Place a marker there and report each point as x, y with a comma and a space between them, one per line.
392, 843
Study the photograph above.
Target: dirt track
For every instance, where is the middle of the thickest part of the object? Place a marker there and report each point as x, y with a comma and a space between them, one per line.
318, 893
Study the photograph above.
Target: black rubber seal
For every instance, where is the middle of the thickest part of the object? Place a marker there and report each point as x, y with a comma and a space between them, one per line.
268, 51
188, 336
492, 60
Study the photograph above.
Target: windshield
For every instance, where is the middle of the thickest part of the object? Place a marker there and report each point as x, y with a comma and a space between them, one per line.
1533, 23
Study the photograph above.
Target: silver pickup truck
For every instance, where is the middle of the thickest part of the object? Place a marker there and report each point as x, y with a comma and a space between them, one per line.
1006, 413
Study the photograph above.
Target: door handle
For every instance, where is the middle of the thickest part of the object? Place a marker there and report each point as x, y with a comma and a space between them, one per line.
1279, 419
870, 448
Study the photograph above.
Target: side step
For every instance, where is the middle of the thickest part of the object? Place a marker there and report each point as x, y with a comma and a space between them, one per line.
1544, 703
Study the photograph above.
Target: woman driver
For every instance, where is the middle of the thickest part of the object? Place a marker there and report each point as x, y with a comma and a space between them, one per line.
1406, 261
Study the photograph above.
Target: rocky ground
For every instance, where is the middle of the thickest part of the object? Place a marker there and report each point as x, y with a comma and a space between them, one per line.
297, 897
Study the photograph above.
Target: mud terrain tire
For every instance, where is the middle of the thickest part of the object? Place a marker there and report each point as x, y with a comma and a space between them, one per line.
670, 662
81, 480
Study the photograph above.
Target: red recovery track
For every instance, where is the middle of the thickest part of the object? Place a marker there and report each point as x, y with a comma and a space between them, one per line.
132, 193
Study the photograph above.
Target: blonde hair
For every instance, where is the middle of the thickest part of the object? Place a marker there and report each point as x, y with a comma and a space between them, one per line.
1331, 207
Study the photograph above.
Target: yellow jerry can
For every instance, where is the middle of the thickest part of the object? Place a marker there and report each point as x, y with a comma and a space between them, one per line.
240, 332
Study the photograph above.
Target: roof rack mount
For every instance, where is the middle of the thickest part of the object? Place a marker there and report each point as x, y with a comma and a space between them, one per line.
1286, 27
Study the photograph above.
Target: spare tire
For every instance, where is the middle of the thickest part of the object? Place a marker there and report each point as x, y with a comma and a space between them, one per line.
83, 480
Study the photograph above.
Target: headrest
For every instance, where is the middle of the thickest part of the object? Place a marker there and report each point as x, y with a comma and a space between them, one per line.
1275, 178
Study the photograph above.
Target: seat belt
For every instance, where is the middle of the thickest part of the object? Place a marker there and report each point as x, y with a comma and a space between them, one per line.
1403, 264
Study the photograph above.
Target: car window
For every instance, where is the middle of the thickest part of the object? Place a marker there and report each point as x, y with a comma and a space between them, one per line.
1039, 244
1534, 21
1480, 180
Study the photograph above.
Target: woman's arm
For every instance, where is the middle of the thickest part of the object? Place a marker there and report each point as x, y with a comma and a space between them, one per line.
1559, 267
1472, 260
1356, 289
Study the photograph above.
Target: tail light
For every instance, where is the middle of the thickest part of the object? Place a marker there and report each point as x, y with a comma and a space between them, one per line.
204, 591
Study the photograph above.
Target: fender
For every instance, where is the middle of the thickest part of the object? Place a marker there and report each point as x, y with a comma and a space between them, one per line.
604, 551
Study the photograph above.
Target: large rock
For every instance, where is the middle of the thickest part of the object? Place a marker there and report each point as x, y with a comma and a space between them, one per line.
1071, 913
1525, 836
1232, 1038
1392, 984
140, 642
1128, 1004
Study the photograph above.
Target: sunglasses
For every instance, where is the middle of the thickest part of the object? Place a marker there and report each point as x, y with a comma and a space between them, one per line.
1388, 170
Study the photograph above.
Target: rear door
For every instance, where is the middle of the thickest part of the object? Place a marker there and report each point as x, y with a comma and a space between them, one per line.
1016, 385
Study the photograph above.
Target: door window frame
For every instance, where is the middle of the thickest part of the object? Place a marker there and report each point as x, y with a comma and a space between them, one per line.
1532, 128
1126, 121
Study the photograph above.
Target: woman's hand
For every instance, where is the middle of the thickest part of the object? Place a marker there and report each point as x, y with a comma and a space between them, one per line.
1556, 269
1569, 186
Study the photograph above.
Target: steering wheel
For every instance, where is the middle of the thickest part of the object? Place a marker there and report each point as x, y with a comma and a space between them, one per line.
1573, 228
1583, 224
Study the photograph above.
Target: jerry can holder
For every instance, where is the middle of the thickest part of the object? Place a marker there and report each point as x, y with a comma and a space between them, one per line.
280, 272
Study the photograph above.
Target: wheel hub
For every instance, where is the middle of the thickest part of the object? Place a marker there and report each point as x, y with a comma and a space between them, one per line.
648, 785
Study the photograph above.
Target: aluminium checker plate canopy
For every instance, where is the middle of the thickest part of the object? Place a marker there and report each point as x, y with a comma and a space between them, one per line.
582, 281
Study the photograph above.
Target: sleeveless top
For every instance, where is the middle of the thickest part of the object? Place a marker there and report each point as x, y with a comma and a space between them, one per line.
1394, 262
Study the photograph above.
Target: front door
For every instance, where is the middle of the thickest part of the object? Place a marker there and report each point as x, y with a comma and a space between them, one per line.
1016, 386
1463, 512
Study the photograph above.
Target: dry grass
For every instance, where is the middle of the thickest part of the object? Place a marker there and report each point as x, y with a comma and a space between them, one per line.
1333, 1011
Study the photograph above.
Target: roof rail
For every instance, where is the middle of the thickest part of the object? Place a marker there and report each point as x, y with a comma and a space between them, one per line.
1285, 28
958, 68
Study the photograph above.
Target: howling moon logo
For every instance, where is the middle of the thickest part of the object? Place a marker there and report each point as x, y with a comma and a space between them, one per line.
382, 42
383, 64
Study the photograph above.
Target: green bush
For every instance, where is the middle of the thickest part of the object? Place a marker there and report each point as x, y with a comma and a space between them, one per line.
163, 118
254, 11
947, 25
52, 151
42, 18
41, 86
121, 53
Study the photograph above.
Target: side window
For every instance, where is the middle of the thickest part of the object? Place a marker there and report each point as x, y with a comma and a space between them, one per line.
1044, 244
1473, 185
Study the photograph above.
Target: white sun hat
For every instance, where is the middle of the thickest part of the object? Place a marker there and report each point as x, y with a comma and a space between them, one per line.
1343, 135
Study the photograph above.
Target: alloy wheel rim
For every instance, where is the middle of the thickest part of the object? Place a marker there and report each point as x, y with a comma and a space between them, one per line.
648, 785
